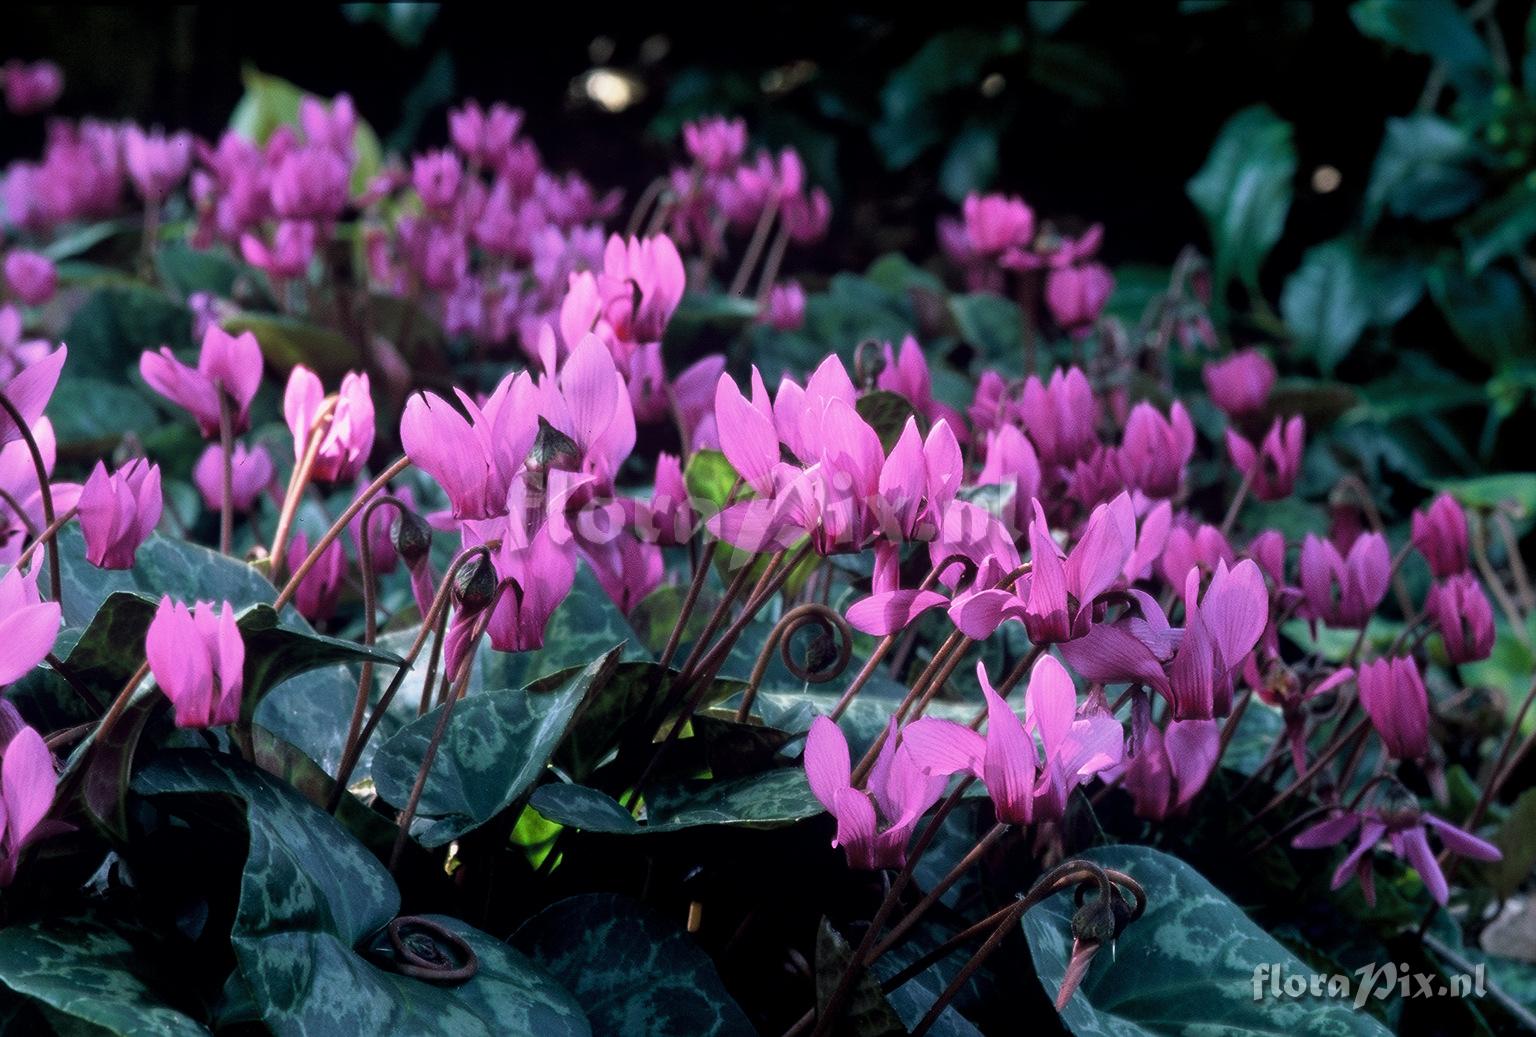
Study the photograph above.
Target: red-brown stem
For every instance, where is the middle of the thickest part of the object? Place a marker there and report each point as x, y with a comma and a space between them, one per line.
292, 586
297, 482
755, 246
43, 489
914, 916
46, 536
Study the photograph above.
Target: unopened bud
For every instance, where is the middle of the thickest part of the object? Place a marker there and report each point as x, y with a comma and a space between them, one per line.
474, 585
554, 449
411, 536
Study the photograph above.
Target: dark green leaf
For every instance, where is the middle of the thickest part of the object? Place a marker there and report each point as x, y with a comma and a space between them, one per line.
769, 800
274, 653
991, 325
92, 415
1422, 170
1187, 965
118, 322
1491, 313
887, 413
1517, 838
495, 748
286, 342
1244, 192
633, 971
1326, 303
1433, 27
865, 1012
1500, 228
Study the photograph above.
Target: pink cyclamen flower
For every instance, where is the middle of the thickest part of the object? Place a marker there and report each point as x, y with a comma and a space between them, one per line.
118, 512
27, 786
906, 373
667, 518
1076, 295
716, 143
1220, 629
156, 163
227, 363
1343, 591
197, 657
330, 126
995, 223
29, 391
899, 793
1204, 547
473, 460
320, 589
1241, 383
1393, 696
252, 472
785, 308
1275, 465
436, 175
642, 283
1061, 416
1404, 827
1005, 759
311, 183
1155, 450
536, 574
1461, 612
289, 255
31, 87
30, 277
348, 438
1168, 768
28, 625
1440, 535
484, 136
1011, 461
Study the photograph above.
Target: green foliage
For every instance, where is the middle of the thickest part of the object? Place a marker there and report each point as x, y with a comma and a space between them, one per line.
1244, 192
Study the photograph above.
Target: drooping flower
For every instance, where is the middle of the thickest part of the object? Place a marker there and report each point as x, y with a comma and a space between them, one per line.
1343, 591
156, 163
30, 277
289, 255
906, 373
995, 223
1404, 827
251, 473
899, 793
716, 143
1155, 450
226, 363
1393, 696
197, 657
1461, 612
1077, 295
1274, 466
1241, 383
346, 441
29, 391
320, 589
484, 135
27, 785
1060, 416
473, 460
785, 307
1440, 535
118, 512
1220, 629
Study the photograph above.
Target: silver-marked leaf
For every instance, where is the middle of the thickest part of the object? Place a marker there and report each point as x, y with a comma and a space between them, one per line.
495, 748
769, 800
1186, 966
633, 971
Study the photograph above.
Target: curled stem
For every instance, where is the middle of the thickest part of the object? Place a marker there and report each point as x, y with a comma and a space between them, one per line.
292, 586
811, 614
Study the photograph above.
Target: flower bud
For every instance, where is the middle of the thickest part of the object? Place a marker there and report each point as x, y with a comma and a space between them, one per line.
474, 585
411, 536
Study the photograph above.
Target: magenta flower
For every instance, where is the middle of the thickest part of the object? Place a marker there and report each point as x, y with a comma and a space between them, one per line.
1006, 759
289, 256
785, 307
1241, 383
667, 518
642, 283
1405, 828
347, 440
536, 574
29, 391
28, 625
156, 163
30, 277
906, 374
320, 589
1061, 416
1058, 605
1440, 535
1461, 612
226, 363
27, 785
473, 460
31, 87
252, 473
1220, 629
1168, 768
436, 175
310, 183
1011, 461
692, 394
1205, 547
1077, 295
1393, 696
1155, 450
716, 143
995, 223
329, 126
917, 483
899, 793
484, 136
1276, 463
807, 216
118, 512
197, 657
1343, 591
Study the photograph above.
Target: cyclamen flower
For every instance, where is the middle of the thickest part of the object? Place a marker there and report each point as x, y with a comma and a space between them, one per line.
1404, 827
1205, 548
642, 283
332, 126
436, 176
310, 183
1011, 461
1440, 535
1344, 591
1393, 696
899, 793
1005, 759
716, 143
995, 223
785, 307
1076, 295
118, 512
473, 460
252, 472
31, 87
667, 518
1461, 612
289, 256
1274, 466
1168, 768
197, 657
30, 277
1060, 416
1241, 383
484, 136
320, 589
1155, 449
347, 440
28, 625
27, 786
906, 374
226, 363
1220, 629
29, 390
156, 163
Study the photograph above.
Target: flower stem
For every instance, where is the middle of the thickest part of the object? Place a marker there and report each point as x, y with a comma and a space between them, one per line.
292, 586
43, 489
227, 480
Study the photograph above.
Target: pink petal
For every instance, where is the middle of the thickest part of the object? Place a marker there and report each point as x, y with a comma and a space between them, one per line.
892, 611
944, 747
827, 765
